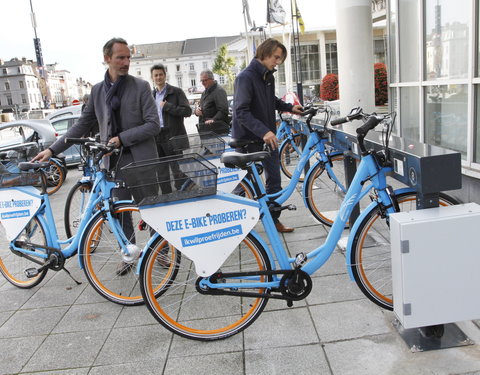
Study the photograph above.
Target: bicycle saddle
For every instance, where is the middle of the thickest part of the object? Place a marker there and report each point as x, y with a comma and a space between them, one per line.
240, 160
25, 166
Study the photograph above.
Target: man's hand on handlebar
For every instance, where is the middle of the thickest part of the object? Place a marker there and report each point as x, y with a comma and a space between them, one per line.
271, 140
43, 156
297, 109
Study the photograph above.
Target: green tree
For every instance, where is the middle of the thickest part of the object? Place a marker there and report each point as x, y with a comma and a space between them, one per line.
223, 66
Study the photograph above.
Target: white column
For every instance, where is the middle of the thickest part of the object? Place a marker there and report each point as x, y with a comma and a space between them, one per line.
355, 55
288, 61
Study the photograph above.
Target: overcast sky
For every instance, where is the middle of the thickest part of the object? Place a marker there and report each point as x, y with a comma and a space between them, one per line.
73, 33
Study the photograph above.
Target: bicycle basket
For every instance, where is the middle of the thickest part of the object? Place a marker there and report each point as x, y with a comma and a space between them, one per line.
206, 144
170, 178
20, 179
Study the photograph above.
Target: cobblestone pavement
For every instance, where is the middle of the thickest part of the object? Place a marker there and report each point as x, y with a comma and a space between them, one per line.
62, 328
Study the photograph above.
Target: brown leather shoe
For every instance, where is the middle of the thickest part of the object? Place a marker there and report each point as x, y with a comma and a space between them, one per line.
282, 228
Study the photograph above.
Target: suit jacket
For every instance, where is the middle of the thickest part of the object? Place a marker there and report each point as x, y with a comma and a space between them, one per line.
174, 111
138, 114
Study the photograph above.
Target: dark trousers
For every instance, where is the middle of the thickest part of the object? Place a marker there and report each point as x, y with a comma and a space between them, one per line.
164, 148
273, 178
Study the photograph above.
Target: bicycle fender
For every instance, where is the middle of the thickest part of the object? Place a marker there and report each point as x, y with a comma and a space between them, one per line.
265, 246
82, 238
140, 260
356, 225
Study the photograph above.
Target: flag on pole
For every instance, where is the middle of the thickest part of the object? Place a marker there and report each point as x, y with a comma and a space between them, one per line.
275, 12
246, 12
296, 12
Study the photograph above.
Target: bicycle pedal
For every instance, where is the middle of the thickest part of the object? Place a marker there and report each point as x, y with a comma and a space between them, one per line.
31, 272
291, 207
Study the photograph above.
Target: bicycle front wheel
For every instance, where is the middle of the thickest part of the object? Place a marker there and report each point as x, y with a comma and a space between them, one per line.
182, 309
370, 258
108, 271
75, 205
13, 265
323, 195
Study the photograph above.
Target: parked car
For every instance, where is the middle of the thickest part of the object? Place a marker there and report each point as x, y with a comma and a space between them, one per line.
73, 110
61, 124
26, 137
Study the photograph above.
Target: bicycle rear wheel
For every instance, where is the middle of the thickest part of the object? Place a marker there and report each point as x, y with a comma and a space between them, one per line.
323, 195
56, 174
108, 271
183, 310
290, 154
370, 258
13, 265
75, 205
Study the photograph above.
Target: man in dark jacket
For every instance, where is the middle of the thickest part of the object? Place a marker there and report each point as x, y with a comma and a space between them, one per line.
213, 110
254, 110
173, 107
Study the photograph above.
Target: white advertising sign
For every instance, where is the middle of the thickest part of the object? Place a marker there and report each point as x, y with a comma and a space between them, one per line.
17, 208
227, 178
207, 229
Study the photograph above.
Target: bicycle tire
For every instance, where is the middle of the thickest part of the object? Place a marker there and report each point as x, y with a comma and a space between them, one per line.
13, 266
75, 205
370, 258
289, 157
55, 174
184, 311
322, 195
244, 189
101, 256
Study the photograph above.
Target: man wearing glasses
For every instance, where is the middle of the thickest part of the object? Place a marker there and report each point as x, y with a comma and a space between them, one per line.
213, 109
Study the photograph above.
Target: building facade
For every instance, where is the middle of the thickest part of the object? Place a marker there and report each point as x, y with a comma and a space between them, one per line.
20, 90
435, 78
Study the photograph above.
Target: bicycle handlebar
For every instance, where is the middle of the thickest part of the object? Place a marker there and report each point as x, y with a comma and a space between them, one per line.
79, 141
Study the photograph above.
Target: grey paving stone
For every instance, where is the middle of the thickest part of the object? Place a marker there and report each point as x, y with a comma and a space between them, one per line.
335, 288
77, 371
89, 317
4, 316
305, 360
14, 298
281, 328
225, 363
16, 352
89, 295
132, 316
49, 296
386, 355
135, 344
182, 347
67, 350
134, 368
347, 320
32, 322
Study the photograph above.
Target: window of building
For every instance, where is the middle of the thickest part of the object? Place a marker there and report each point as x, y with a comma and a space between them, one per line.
9, 100
7, 86
409, 40
179, 82
5, 71
205, 65
19, 69
191, 66
177, 67
139, 72
446, 39
446, 116
409, 104
221, 80
24, 99
331, 56
22, 84
193, 82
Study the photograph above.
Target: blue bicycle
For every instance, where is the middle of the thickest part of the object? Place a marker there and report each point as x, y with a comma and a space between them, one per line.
206, 297
108, 234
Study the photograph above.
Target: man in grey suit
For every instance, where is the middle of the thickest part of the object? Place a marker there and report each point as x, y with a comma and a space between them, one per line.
126, 114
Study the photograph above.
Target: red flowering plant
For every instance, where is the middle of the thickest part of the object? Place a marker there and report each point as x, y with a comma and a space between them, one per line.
329, 87
381, 84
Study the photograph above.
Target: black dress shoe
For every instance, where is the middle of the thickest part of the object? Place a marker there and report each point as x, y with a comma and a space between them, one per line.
123, 268
282, 228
